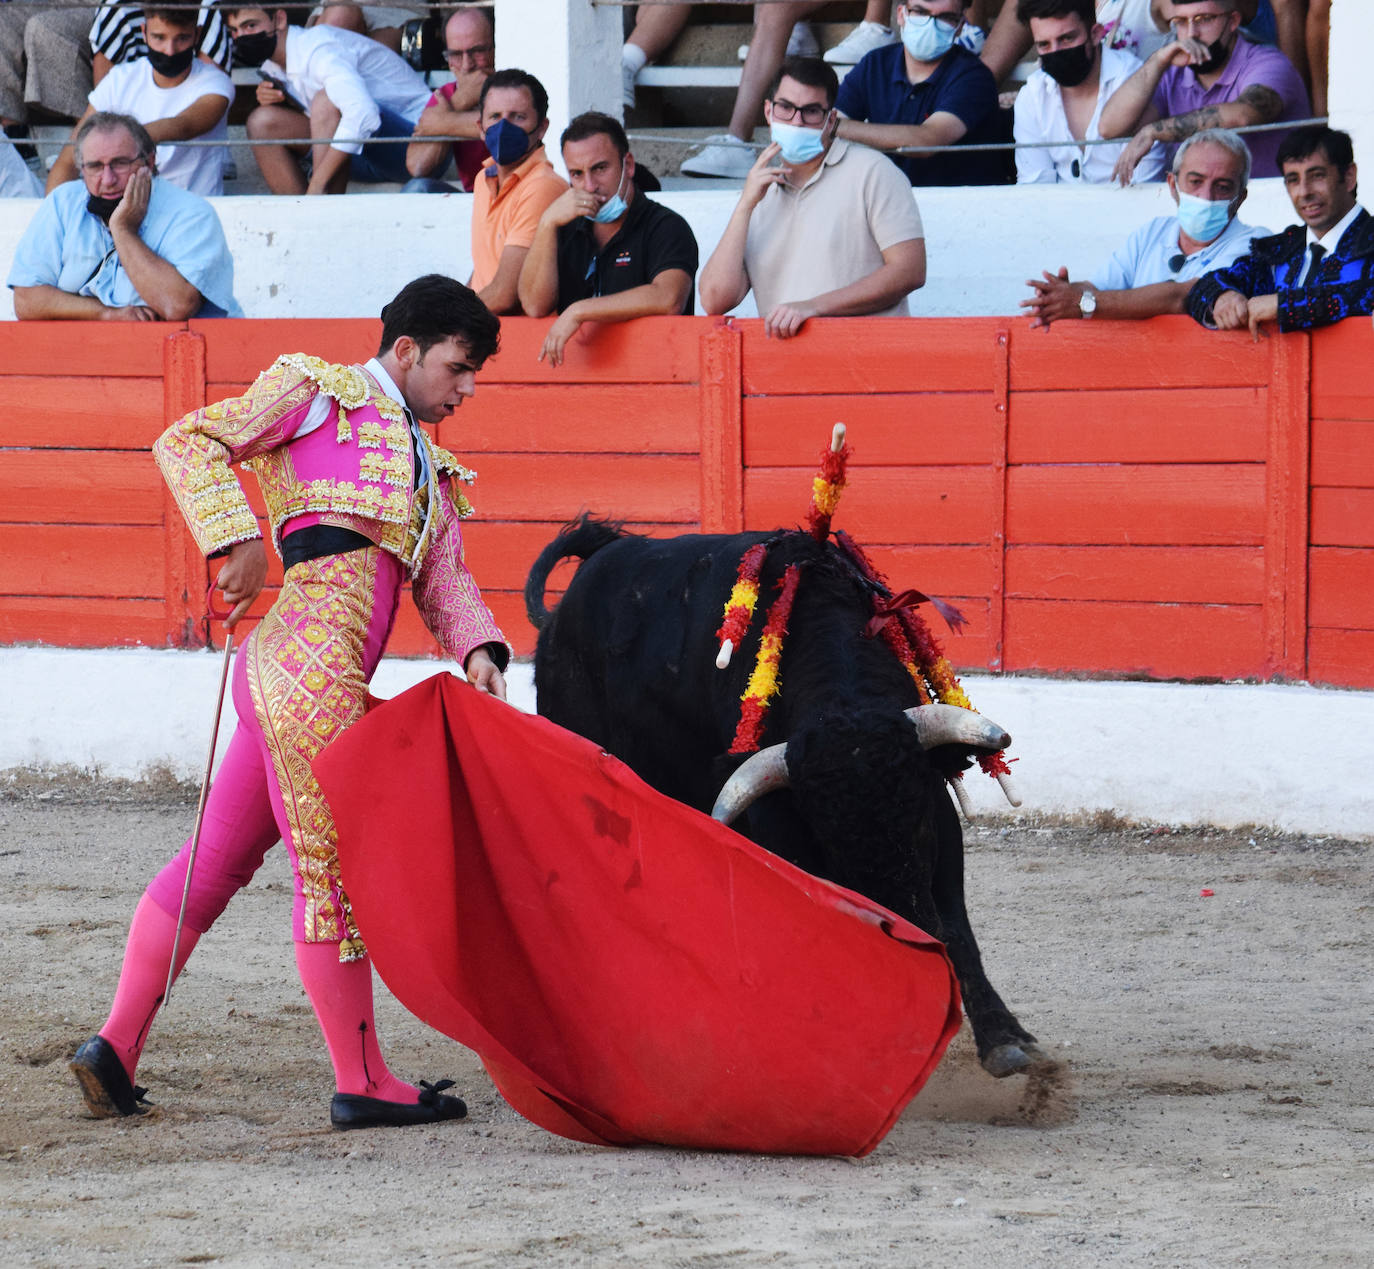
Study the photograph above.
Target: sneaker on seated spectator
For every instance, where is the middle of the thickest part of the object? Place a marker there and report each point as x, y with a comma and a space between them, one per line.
863, 39
801, 43
723, 156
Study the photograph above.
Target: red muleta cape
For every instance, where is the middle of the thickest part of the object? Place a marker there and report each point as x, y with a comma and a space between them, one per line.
629, 970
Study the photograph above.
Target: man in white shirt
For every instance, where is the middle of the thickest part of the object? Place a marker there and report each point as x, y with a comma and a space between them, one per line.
1154, 271
318, 85
175, 95
1063, 100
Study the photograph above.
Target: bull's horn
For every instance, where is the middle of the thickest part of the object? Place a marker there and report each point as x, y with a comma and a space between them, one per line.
956, 782
953, 725
764, 772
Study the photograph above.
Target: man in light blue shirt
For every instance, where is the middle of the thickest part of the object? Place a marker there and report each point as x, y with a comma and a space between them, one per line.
121, 244
1155, 268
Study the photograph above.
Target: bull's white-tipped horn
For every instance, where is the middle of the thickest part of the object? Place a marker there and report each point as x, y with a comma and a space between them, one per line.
1009, 788
952, 725
837, 438
727, 646
764, 772
956, 782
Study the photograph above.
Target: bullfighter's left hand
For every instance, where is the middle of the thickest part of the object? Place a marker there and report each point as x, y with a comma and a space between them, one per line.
483, 674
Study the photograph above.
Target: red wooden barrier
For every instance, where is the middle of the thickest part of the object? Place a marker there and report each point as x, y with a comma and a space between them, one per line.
1138, 499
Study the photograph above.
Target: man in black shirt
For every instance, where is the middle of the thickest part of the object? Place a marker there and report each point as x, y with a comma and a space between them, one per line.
604, 252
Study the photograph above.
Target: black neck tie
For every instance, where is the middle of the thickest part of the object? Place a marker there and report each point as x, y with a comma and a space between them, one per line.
1317, 252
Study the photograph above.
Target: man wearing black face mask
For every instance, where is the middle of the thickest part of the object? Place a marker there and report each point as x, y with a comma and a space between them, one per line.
121, 244
175, 95
1210, 76
1062, 101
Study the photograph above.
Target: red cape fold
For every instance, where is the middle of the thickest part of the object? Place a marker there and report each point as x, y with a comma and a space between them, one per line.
630, 971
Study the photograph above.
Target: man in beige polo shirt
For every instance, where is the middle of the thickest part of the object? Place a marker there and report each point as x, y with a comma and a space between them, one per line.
510, 195
832, 232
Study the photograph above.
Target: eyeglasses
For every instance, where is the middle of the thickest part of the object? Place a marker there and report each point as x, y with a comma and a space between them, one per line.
812, 113
1195, 21
472, 54
951, 20
118, 167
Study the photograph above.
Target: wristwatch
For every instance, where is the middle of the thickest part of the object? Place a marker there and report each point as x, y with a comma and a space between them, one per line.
1087, 302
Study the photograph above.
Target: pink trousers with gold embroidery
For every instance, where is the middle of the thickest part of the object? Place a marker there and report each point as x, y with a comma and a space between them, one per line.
299, 680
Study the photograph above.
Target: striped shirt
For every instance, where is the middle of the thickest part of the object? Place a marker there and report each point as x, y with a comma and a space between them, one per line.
117, 32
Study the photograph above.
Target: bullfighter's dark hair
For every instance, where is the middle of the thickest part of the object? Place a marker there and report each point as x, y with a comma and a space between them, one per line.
1302, 143
434, 308
513, 78
592, 123
812, 72
1085, 9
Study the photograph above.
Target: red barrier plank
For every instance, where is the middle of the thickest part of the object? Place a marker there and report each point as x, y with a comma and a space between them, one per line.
1341, 588
1340, 657
559, 486
936, 570
1221, 505
873, 354
882, 504
1168, 352
650, 350
575, 418
81, 623
94, 487
1342, 517
1163, 574
1343, 452
117, 349
1157, 425
1150, 640
1341, 386
52, 412
81, 560
238, 351
885, 429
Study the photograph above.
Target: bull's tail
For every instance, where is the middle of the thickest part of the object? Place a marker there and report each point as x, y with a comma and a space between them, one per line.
581, 538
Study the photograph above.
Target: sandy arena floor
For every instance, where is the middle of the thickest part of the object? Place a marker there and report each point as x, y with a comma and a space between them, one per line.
1210, 1102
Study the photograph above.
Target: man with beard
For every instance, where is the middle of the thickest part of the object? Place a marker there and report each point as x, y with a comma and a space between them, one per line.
122, 244
1155, 268
1312, 274
1209, 77
1064, 98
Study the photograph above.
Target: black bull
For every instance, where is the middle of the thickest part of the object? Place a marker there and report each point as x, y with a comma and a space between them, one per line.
627, 659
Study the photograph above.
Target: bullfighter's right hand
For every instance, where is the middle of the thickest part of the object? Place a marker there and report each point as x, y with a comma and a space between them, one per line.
1231, 311
242, 577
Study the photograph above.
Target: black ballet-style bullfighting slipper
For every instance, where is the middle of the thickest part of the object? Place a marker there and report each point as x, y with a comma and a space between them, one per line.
352, 1110
107, 1089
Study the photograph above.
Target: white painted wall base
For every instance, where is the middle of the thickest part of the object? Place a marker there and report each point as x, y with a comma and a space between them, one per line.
1291, 757
346, 257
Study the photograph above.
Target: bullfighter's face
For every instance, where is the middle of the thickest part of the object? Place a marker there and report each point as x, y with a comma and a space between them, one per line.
437, 380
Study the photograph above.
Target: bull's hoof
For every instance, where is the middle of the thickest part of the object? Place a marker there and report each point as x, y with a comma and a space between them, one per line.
1011, 1059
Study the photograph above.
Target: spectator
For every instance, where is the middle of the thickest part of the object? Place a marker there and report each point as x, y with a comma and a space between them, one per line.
318, 85
117, 37
834, 231
122, 244
175, 95
16, 181
1064, 98
514, 190
1304, 34
1210, 77
1153, 272
384, 24
730, 154
927, 91
656, 27
45, 61
1311, 274
604, 252
469, 50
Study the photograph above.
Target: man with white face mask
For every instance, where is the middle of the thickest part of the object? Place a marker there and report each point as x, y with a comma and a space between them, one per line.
926, 91
602, 251
831, 232
1157, 266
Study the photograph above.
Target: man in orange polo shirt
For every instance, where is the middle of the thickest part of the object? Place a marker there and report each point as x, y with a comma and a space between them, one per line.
512, 192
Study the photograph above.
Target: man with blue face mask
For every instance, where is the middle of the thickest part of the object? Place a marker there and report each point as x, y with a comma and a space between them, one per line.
927, 91
1155, 269
832, 231
604, 252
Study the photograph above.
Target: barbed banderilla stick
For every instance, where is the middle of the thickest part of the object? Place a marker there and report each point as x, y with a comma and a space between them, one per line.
204, 792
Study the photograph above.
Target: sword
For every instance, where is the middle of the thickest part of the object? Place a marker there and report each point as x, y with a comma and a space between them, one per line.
204, 787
